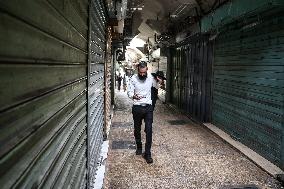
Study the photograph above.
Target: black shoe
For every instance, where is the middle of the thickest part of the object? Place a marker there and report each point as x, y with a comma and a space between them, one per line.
148, 158
139, 151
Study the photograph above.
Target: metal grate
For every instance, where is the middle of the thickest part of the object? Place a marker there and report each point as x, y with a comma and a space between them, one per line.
120, 109
121, 124
178, 122
120, 144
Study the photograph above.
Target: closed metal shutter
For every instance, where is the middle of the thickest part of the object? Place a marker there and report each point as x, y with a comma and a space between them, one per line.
191, 78
96, 83
43, 95
249, 84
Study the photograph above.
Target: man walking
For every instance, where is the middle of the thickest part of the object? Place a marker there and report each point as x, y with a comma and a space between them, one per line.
154, 90
139, 90
124, 82
119, 79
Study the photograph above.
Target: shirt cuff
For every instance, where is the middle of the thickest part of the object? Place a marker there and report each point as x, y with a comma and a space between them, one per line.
130, 95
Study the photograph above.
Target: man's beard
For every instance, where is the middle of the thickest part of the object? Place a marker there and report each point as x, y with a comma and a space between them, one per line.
142, 77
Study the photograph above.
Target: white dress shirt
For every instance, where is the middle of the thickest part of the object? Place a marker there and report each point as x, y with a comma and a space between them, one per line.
141, 89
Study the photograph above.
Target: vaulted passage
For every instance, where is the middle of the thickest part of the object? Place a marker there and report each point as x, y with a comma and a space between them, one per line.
73, 73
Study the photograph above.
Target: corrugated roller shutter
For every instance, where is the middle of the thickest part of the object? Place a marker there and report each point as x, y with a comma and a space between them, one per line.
43, 94
96, 85
43, 60
248, 92
191, 81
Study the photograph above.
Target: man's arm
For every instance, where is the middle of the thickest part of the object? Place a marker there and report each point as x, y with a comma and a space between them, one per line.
130, 88
130, 91
157, 82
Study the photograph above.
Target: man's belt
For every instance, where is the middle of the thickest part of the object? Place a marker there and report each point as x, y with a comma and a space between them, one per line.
142, 104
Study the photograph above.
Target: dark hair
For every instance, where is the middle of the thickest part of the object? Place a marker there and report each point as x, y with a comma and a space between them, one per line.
142, 64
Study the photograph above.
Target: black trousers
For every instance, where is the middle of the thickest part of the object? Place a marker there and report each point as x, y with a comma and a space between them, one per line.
140, 113
119, 84
154, 96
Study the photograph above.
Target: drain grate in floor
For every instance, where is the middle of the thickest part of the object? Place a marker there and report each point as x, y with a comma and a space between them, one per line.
121, 124
240, 187
120, 144
120, 109
178, 122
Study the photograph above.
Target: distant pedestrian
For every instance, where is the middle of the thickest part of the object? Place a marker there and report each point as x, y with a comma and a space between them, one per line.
139, 90
125, 78
119, 79
154, 91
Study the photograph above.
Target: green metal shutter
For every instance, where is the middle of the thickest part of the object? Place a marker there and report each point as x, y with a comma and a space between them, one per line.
96, 85
249, 84
43, 94
191, 72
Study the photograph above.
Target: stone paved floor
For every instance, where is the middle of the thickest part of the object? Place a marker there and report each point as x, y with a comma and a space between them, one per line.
185, 156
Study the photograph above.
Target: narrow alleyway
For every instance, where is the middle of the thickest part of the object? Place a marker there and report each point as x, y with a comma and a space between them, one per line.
186, 155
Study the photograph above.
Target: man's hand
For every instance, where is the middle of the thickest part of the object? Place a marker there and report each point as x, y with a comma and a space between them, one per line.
137, 97
160, 81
